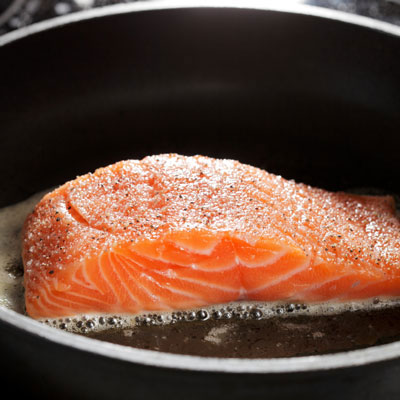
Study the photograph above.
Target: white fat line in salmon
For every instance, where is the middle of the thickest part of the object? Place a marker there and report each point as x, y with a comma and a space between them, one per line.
188, 279
284, 277
138, 285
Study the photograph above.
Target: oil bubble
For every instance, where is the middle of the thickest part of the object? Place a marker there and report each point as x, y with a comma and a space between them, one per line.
191, 316
244, 315
290, 308
90, 324
203, 315
256, 313
180, 316
227, 315
217, 314
160, 319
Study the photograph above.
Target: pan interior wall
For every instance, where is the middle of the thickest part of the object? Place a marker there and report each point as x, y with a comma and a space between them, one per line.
288, 93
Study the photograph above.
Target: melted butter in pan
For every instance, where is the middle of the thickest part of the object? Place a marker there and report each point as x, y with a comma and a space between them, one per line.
280, 336
11, 268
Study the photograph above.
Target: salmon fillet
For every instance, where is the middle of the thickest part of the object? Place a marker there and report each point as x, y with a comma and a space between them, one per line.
175, 232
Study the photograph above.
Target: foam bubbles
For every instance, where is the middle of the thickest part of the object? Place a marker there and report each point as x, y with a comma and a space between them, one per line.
11, 269
244, 311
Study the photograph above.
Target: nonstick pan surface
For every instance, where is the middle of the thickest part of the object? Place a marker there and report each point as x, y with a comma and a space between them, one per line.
302, 92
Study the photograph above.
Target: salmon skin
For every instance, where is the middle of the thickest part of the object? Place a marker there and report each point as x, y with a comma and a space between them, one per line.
176, 232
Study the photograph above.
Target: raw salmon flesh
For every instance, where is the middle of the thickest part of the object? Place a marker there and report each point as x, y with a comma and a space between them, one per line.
176, 232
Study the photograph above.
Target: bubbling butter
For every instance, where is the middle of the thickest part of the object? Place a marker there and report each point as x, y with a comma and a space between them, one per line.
11, 269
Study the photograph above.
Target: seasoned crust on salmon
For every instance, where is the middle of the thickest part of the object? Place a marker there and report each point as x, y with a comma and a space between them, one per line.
176, 232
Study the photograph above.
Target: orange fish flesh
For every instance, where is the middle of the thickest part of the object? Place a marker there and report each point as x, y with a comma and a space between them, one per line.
175, 232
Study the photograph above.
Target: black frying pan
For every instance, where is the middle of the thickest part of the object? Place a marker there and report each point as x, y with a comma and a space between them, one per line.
307, 93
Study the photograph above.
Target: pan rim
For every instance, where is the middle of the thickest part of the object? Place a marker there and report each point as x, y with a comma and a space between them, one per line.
186, 362
159, 5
